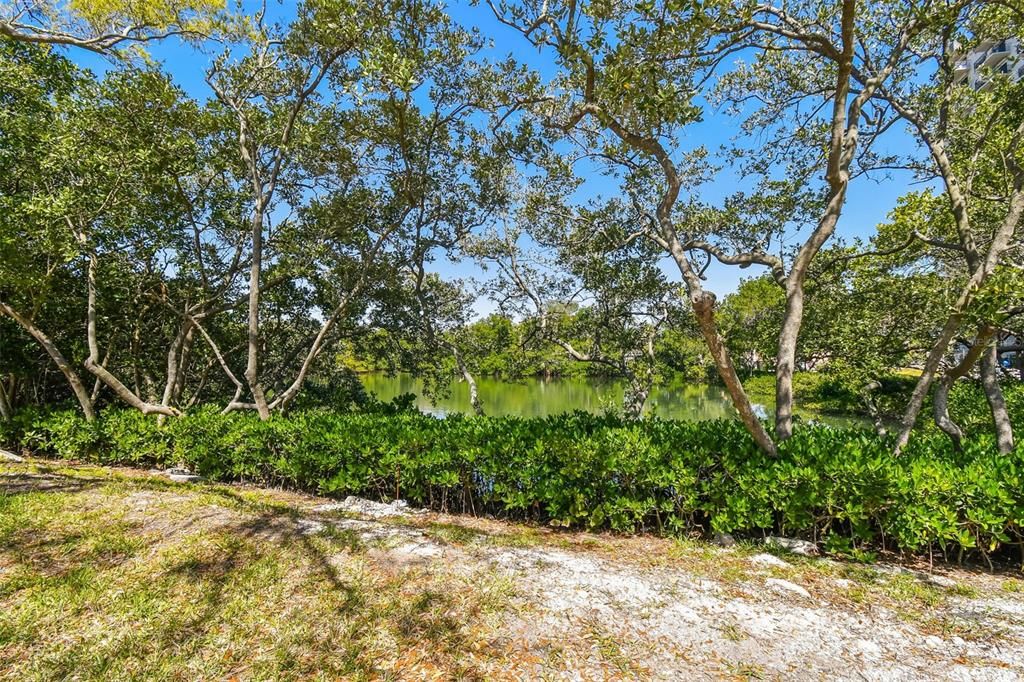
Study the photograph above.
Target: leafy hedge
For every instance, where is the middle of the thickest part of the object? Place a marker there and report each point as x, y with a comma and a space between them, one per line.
583, 470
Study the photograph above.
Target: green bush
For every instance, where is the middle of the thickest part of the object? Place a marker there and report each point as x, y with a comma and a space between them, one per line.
581, 470
842, 393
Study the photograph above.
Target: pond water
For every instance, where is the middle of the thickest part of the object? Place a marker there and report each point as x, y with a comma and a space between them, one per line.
537, 397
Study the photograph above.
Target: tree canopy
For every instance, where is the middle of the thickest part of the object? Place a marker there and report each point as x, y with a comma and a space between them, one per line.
350, 163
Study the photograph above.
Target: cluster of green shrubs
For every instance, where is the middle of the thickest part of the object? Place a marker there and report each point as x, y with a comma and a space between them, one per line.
843, 393
842, 487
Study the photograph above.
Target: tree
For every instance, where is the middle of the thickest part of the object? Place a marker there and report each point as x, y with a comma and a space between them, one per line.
36, 85
973, 144
330, 129
601, 299
811, 58
631, 76
616, 71
107, 26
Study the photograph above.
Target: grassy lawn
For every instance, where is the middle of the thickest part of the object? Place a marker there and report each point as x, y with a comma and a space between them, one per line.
110, 574
116, 577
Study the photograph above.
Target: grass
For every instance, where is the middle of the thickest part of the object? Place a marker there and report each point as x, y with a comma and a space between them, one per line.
102, 579
109, 574
611, 651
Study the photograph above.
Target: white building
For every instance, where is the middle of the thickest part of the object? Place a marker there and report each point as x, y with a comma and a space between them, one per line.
990, 57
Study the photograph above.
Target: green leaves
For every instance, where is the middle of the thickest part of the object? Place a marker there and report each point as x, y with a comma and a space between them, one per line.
582, 470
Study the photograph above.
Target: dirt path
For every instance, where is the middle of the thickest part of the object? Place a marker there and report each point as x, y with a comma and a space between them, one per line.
590, 607
599, 611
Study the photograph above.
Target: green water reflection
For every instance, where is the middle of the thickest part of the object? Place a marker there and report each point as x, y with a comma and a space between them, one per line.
536, 397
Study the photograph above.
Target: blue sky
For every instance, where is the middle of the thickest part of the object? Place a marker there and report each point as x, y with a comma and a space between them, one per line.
869, 199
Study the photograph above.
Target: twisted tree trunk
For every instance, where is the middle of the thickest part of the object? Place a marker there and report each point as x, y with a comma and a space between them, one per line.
474, 396
77, 387
704, 309
942, 388
996, 403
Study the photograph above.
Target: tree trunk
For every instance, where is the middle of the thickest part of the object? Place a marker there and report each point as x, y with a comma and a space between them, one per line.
941, 397
789, 334
703, 308
474, 396
785, 361
175, 361
252, 362
1000, 243
6, 411
867, 394
183, 367
996, 403
97, 384
177, 356
635, 397
92, 362
940, 401
77, 387
843, 135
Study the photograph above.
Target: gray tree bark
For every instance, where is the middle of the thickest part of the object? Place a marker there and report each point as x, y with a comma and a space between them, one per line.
703, 308
77, 387
6, 411
996, 402
467, 376
92, 362
1000, 243
941, 395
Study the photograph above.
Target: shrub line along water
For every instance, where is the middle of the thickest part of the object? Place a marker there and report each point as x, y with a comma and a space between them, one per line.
841, 487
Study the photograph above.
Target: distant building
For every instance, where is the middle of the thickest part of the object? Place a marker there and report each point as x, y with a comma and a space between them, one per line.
1011, 354
990, 57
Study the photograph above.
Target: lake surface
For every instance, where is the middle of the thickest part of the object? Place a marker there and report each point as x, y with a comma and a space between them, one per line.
536, 397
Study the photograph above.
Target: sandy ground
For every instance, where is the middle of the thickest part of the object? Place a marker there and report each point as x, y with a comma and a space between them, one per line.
592, 607
605, 617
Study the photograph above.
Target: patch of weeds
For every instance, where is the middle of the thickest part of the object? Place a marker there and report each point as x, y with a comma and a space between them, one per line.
520, 537
208, 554
734, 573
249, 501
44, 531
859, 574
748, 547
733, 632
1012, 586
858, 594
689, 548
581, 543
785, 573
965, 590
454, 534
908, 590
342, 538
610, 650
111, 546
747, 671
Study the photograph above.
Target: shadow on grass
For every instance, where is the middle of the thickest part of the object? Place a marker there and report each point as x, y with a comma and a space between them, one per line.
45, 482
133, 622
